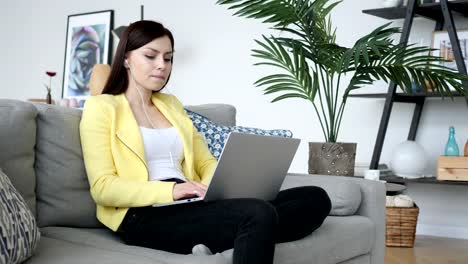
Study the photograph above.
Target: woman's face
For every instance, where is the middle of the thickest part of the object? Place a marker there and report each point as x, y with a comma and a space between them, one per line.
151, 64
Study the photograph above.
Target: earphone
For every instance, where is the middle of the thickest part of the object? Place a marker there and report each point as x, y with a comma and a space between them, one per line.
127, 65
139, 92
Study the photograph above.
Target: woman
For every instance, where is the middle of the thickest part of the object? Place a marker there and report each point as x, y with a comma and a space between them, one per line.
140, 148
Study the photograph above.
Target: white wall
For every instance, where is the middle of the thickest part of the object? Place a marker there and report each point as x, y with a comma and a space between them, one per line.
213, 64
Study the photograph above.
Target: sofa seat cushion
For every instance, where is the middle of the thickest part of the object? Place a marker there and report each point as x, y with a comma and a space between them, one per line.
345, 194
105, 240
57, 251
338, 239
18, 137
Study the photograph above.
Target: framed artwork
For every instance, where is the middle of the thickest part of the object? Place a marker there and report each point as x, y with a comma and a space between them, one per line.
441, 42
88, 42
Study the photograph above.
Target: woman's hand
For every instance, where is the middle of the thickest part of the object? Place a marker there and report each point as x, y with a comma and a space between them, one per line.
188, 190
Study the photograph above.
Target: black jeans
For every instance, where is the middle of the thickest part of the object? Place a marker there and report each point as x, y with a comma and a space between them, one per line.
250, 226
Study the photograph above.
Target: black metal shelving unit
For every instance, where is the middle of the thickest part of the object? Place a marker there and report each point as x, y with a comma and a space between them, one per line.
431, 180
442, 13
430, 10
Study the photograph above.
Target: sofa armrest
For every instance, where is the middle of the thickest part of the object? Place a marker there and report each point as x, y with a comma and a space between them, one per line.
372, 204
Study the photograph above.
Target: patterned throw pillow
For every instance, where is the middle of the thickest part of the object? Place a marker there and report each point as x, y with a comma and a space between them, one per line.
216, 135
19, 234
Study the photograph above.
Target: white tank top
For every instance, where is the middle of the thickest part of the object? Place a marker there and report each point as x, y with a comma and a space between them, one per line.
164, 153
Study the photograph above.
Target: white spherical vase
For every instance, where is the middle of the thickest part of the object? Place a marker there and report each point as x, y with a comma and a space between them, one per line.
409, 160
392, 3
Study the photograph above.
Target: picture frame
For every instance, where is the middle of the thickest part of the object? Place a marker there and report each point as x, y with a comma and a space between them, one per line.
88, 42
441, 42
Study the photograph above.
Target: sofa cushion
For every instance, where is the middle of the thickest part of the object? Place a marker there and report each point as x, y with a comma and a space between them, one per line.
105, 239
63, 196
222, 114
17, 140
338, 239
216, 135
19, 234
345, 195
57, 251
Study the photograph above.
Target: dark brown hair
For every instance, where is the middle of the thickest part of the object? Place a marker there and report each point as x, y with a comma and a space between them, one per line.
135, 36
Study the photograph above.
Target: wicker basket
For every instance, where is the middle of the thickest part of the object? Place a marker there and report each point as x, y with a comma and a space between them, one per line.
401, 226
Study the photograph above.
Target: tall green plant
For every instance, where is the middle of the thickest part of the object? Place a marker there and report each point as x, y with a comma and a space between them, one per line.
313, 65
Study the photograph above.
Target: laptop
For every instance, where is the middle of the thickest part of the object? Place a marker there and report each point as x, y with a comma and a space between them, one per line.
250, 166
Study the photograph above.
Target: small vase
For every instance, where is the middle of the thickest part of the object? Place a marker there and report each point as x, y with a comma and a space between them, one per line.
451, 148
49, 98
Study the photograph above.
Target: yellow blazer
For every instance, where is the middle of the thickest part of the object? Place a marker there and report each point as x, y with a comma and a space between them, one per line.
115, 161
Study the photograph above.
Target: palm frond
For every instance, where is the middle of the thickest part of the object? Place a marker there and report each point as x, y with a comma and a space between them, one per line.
310, 17
369, 48
278, 12
404, 65
327, 55
296, 82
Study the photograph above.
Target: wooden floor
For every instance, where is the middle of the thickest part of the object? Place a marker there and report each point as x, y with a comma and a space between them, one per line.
430, 250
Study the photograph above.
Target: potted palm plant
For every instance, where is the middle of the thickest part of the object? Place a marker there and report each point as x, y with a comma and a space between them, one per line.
313, 65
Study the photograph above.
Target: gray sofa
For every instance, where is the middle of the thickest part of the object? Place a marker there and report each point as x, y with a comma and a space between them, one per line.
41, 154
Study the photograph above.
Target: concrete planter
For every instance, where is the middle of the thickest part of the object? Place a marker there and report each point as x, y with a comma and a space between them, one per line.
332, 158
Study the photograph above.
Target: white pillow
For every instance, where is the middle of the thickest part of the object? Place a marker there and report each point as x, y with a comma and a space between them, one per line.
19, 234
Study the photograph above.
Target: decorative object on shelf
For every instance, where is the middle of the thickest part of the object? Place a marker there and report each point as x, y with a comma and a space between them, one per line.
332, 158
443, 47
70, 102
88, 43
409, 160
314, 67
49, 87
451, 148
392, 3
373, 175
64, 102
414, 88
429, 86
40, 100
452, 168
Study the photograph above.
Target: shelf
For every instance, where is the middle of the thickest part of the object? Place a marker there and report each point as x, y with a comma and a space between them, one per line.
431, 180
406, 98
430, 10
383, 95
387, 13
